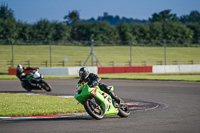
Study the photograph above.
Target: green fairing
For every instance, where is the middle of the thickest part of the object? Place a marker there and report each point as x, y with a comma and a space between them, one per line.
86, 92
29, 75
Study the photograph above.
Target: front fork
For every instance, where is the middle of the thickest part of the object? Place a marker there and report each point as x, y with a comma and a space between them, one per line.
95, 104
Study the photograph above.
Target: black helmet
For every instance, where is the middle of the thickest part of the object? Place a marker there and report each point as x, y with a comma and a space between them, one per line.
19, 68
83, 72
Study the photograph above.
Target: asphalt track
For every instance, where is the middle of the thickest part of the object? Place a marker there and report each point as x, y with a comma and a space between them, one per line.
179, 111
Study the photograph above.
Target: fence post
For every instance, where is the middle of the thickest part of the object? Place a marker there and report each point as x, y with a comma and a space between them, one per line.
63, 63
29, 63
159, 63
191, 62
46, 63
144, 63
12, 62
50, 54
112, 63
165, 45
175, 62
97, 63
131, 53
78, 63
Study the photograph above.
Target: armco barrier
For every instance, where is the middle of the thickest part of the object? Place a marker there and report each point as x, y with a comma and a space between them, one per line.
56, 70
12, 71
96, 70
134, 69
75, 70
175, 68
105, 70
64, 70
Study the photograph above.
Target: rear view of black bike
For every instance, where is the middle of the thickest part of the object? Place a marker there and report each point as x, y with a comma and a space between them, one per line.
35, 81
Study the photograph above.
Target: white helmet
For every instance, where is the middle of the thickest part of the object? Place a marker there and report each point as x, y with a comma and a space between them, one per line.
19, 68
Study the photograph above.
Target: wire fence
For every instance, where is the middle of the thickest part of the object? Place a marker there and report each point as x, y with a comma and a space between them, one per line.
90, 53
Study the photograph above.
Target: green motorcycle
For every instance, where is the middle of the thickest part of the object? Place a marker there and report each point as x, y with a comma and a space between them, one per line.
98, 103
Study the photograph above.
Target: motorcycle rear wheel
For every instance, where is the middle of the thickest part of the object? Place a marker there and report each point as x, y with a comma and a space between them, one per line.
124, 111
46, 86
93, 109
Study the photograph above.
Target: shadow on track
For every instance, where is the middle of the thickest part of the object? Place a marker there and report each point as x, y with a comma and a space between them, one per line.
14, 92
78, 118
25, 92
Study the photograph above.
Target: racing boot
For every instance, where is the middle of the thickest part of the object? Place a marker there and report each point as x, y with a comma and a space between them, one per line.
38, 85
116, 98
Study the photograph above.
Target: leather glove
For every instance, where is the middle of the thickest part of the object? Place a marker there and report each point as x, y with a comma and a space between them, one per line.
94, 83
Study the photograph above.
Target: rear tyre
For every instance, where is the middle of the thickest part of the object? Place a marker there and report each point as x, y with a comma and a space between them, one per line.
46, 86
124, 111
93, 109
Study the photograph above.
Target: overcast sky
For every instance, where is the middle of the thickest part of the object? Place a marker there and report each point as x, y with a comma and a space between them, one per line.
54, 10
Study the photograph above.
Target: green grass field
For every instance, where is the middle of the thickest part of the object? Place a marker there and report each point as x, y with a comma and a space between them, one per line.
38, 54
154, 76
27, 105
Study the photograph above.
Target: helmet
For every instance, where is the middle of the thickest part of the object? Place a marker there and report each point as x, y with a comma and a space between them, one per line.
19, 68
83, 72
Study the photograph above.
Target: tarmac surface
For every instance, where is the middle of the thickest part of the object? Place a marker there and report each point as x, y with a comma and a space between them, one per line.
179, 109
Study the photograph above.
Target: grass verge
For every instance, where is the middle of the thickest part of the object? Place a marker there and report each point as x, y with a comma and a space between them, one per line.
132, 76
154, 76
28, 105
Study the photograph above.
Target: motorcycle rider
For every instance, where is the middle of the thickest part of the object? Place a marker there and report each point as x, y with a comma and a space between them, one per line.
20, 73
93, 80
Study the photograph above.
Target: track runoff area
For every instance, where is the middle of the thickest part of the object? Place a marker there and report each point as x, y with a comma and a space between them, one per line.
133, 104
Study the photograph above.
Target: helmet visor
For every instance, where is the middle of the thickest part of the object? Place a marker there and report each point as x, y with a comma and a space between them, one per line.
83, 74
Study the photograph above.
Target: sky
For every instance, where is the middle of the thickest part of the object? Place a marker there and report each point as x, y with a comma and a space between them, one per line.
31, 11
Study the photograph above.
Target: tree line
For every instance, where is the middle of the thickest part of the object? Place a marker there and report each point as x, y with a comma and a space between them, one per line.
161, 27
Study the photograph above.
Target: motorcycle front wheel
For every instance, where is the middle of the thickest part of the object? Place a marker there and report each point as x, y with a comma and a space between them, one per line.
93, 109
26, 86
46, 86
124, 111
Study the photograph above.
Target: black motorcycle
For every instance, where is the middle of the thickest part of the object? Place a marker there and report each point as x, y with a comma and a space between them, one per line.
35, 81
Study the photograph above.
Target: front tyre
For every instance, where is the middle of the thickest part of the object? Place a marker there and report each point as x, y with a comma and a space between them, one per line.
46, 86
93, 109
26, 86
124, 111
